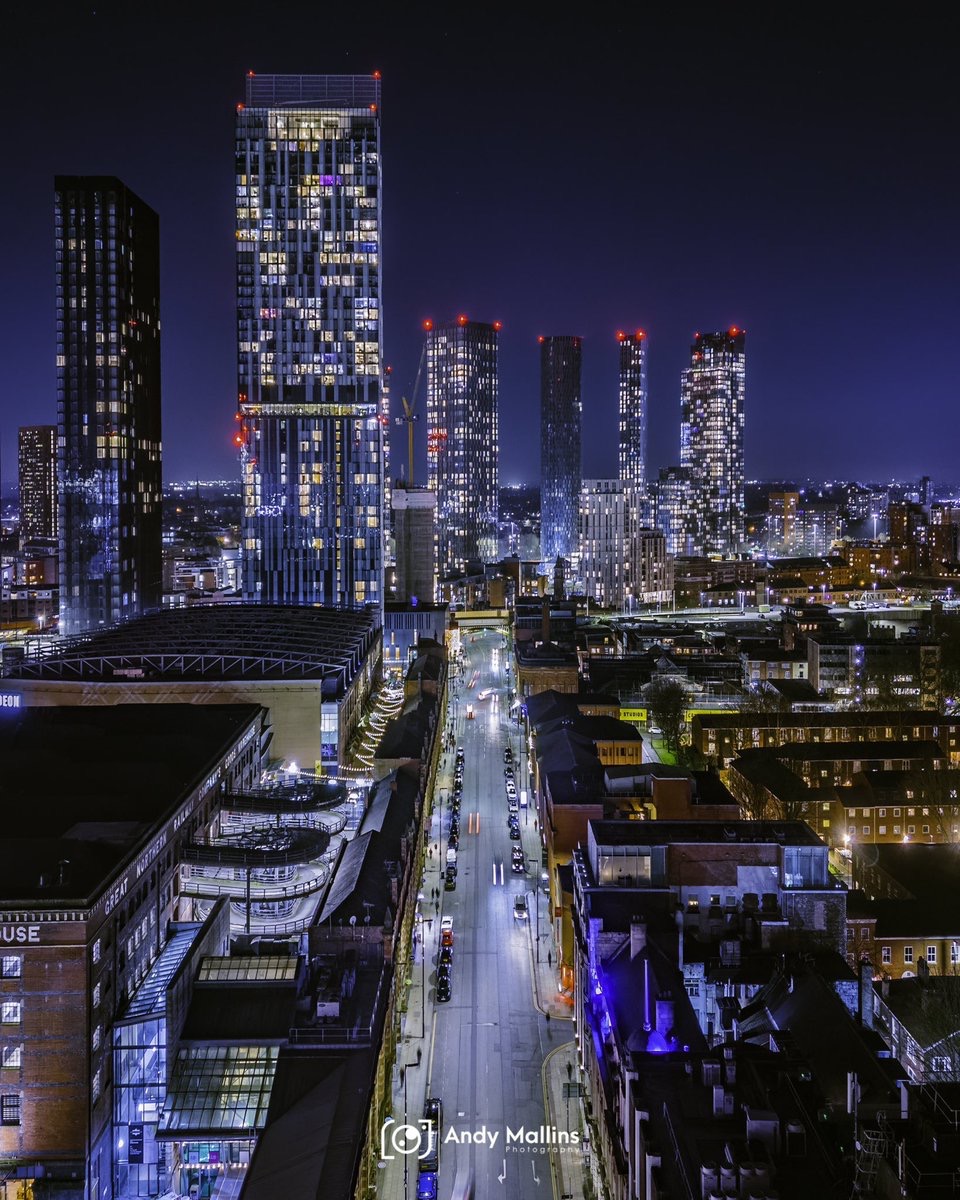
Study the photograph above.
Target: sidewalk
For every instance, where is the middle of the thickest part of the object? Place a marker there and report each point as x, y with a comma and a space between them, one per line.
562, 1104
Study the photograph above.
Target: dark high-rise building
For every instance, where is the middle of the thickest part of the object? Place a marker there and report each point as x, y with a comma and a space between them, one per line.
560, 429
308, 187
462, 440
108, 401
711, 439
633, 410
414, 523
37, 470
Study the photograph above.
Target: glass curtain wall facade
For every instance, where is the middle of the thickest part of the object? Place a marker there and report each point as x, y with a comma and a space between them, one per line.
462, 440
37, 475
560, 440
108, 402
633, 410
711, 438
308, 208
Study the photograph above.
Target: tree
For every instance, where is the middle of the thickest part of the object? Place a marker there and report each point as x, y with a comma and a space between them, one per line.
667, 700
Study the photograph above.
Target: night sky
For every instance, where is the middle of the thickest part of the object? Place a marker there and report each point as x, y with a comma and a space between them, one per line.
626, 169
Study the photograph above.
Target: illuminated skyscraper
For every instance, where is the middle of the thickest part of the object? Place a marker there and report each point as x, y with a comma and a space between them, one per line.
108, 402
711, 439
37, 472
633, 410
309, 339
462, 440
560, 414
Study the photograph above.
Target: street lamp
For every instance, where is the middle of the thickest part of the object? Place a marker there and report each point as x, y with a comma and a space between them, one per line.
423, 977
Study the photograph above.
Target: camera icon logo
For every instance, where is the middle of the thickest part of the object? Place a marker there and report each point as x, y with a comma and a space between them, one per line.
402, 1140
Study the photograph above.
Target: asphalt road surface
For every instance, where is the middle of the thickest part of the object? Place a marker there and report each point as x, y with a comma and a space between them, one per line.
486, 1045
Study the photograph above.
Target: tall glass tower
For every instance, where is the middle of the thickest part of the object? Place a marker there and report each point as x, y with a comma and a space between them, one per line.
560, 422
108, 402
309, 339
633, 410
37, 473
711, 439
462, 440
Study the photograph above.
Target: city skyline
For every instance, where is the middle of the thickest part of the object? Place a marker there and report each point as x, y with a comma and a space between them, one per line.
822, 216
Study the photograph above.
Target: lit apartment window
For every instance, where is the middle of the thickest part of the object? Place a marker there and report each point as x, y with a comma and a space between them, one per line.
9, 1110
96, 995
886, 955
96, 951
10, 1012
12, 1058
908, 954
954, 953
12, 966
931, 954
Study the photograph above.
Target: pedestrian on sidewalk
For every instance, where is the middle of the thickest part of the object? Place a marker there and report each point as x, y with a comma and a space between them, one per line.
549, 958
420, 1055
403, 1075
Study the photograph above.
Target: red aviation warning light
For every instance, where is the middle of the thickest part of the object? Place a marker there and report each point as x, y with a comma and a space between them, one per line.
428, 325
462, 320
377, 75
498, 325
250, 74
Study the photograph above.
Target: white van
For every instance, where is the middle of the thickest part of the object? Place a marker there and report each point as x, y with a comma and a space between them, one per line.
451, 857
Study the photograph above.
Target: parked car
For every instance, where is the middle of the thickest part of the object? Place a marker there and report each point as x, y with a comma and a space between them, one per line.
450, 880
445, 957
444, 988
446, 931
515, 833
427, 1185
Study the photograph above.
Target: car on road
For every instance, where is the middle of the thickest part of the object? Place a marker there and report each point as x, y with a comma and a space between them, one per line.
444, 989
446, 931
515, 833
445, 957
507, 754
511, 788
520, 911
433, 1111
508, 772
427, 1185
443, 971
453, 841
450, 880
517, 863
